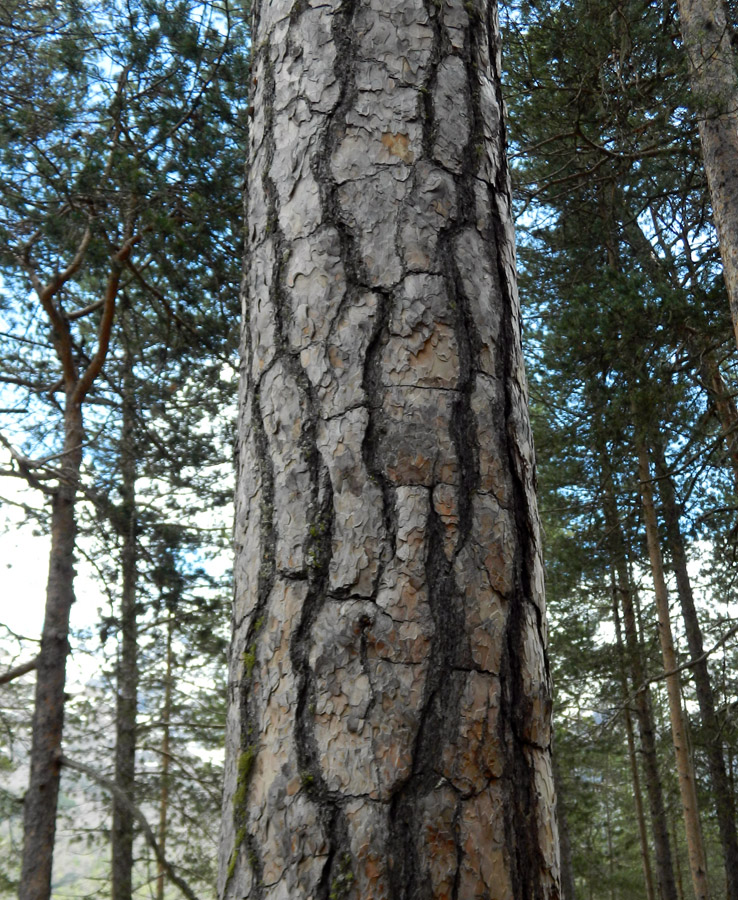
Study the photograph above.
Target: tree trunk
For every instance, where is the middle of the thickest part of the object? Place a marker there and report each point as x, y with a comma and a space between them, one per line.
568, 884
127, 675
644, 711
703, 687
725, 408
389, 726
39, 805
685, 769
707, 39
677, 854
635, 777
165, 762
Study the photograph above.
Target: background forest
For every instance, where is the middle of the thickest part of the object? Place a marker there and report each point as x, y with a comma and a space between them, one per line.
122, 137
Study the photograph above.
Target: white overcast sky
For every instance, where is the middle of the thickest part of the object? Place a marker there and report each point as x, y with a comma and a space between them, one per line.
24, 564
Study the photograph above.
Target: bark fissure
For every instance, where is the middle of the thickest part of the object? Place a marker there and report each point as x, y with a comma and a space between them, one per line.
376, 337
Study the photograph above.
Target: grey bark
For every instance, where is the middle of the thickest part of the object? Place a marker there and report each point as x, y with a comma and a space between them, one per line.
707, 40
725, 407
723, 797
127, 673
389, 707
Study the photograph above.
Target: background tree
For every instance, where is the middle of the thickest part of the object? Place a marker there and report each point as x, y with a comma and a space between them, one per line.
120, 132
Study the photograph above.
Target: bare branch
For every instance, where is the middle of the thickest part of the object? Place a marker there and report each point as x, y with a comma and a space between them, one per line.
16, 672
122, 798
25, 467
690, 664
85, 311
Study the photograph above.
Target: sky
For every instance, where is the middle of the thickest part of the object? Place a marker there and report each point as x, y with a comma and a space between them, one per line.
24, 563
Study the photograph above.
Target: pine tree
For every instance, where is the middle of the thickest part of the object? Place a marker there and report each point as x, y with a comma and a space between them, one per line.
389, 694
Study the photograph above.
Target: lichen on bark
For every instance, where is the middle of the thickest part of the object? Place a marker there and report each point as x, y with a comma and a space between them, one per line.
396, 694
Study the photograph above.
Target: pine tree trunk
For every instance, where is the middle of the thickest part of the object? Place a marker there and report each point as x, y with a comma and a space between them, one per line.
568, 884
703, 687
644, 710
685, 769
632, 757
127, 674
39, 805
389, 726
165, 762
707, 39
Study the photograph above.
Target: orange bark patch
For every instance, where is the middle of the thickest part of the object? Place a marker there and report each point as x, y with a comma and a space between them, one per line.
398, 145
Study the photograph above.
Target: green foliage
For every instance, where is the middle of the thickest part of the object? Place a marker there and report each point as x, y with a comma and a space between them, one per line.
623, 304
119, 121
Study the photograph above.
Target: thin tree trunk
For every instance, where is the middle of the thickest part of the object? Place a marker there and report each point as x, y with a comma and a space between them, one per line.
677, 854
146, 829
635, 776
703, 687
568, 884
39, 809
608, 828
165, 761
389, 730
707, 40
644, 712
39, 805
685, 769
127, 674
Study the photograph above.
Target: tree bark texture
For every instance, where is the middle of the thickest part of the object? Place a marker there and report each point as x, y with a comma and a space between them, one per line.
127, 674
707, 39
644, 709
703, 686
725, 408
39, 805
684, 765
389, 724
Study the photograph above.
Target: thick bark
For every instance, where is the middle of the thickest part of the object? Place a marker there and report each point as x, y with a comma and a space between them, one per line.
707, 39
127, 674
389, 730
632, 757
709, 723
725, 408
39, 806
684, 766
644, 709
